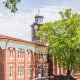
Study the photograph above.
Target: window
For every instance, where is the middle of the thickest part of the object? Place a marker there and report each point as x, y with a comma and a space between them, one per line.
22, 55
19, 71
39, 56
28, 54
45, 69
29, 71
22, 71
36, 20
39, 72
18, 54
45, 57
10, 53
11, 71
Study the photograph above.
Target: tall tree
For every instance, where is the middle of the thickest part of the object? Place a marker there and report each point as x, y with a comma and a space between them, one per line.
12, 5
63, 37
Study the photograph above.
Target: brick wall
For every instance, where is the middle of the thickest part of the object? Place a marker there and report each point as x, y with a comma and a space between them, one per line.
34, 63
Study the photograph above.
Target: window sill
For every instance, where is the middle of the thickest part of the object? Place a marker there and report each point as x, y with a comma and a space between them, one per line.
22, 76
18, 58
29, 59
29, 75
22, 58
11, 58
18, 76
11, 77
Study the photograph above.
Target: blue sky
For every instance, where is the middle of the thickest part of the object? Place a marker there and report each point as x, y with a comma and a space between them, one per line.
18, 24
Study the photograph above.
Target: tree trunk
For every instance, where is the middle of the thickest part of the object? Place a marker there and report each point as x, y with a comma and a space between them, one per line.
68, 74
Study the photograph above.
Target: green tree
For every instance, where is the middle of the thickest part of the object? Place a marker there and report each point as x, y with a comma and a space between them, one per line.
12, 5
63, 37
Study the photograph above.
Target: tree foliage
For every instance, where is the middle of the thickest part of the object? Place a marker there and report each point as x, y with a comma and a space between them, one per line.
63, 37
12, 5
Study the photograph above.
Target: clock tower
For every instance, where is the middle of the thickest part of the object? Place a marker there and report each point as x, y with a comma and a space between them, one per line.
36, 25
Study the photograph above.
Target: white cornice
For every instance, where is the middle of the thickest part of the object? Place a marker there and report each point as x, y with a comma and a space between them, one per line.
5, 44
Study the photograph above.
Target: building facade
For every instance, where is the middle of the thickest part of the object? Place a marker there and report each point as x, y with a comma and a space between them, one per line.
27, 60
22, 60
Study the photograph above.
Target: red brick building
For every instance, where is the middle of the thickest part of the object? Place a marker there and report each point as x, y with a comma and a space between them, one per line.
27, 60
22, 60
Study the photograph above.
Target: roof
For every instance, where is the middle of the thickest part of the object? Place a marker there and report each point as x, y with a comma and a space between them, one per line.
16, 39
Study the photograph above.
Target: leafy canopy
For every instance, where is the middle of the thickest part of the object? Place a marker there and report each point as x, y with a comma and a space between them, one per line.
63, 37
12, 5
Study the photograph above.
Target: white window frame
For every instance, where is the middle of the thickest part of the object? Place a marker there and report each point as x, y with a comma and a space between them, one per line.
11, 53
45, 69
29, 56
11, 70
19, 71
29, 71
39, 72
19, 54
22, 72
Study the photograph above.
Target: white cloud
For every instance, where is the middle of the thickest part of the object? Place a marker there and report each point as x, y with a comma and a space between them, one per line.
18, 25
51, 13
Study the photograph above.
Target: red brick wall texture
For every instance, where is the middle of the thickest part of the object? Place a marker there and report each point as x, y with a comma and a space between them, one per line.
33, 63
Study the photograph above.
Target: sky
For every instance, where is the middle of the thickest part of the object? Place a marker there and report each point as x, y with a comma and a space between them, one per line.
18, 24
